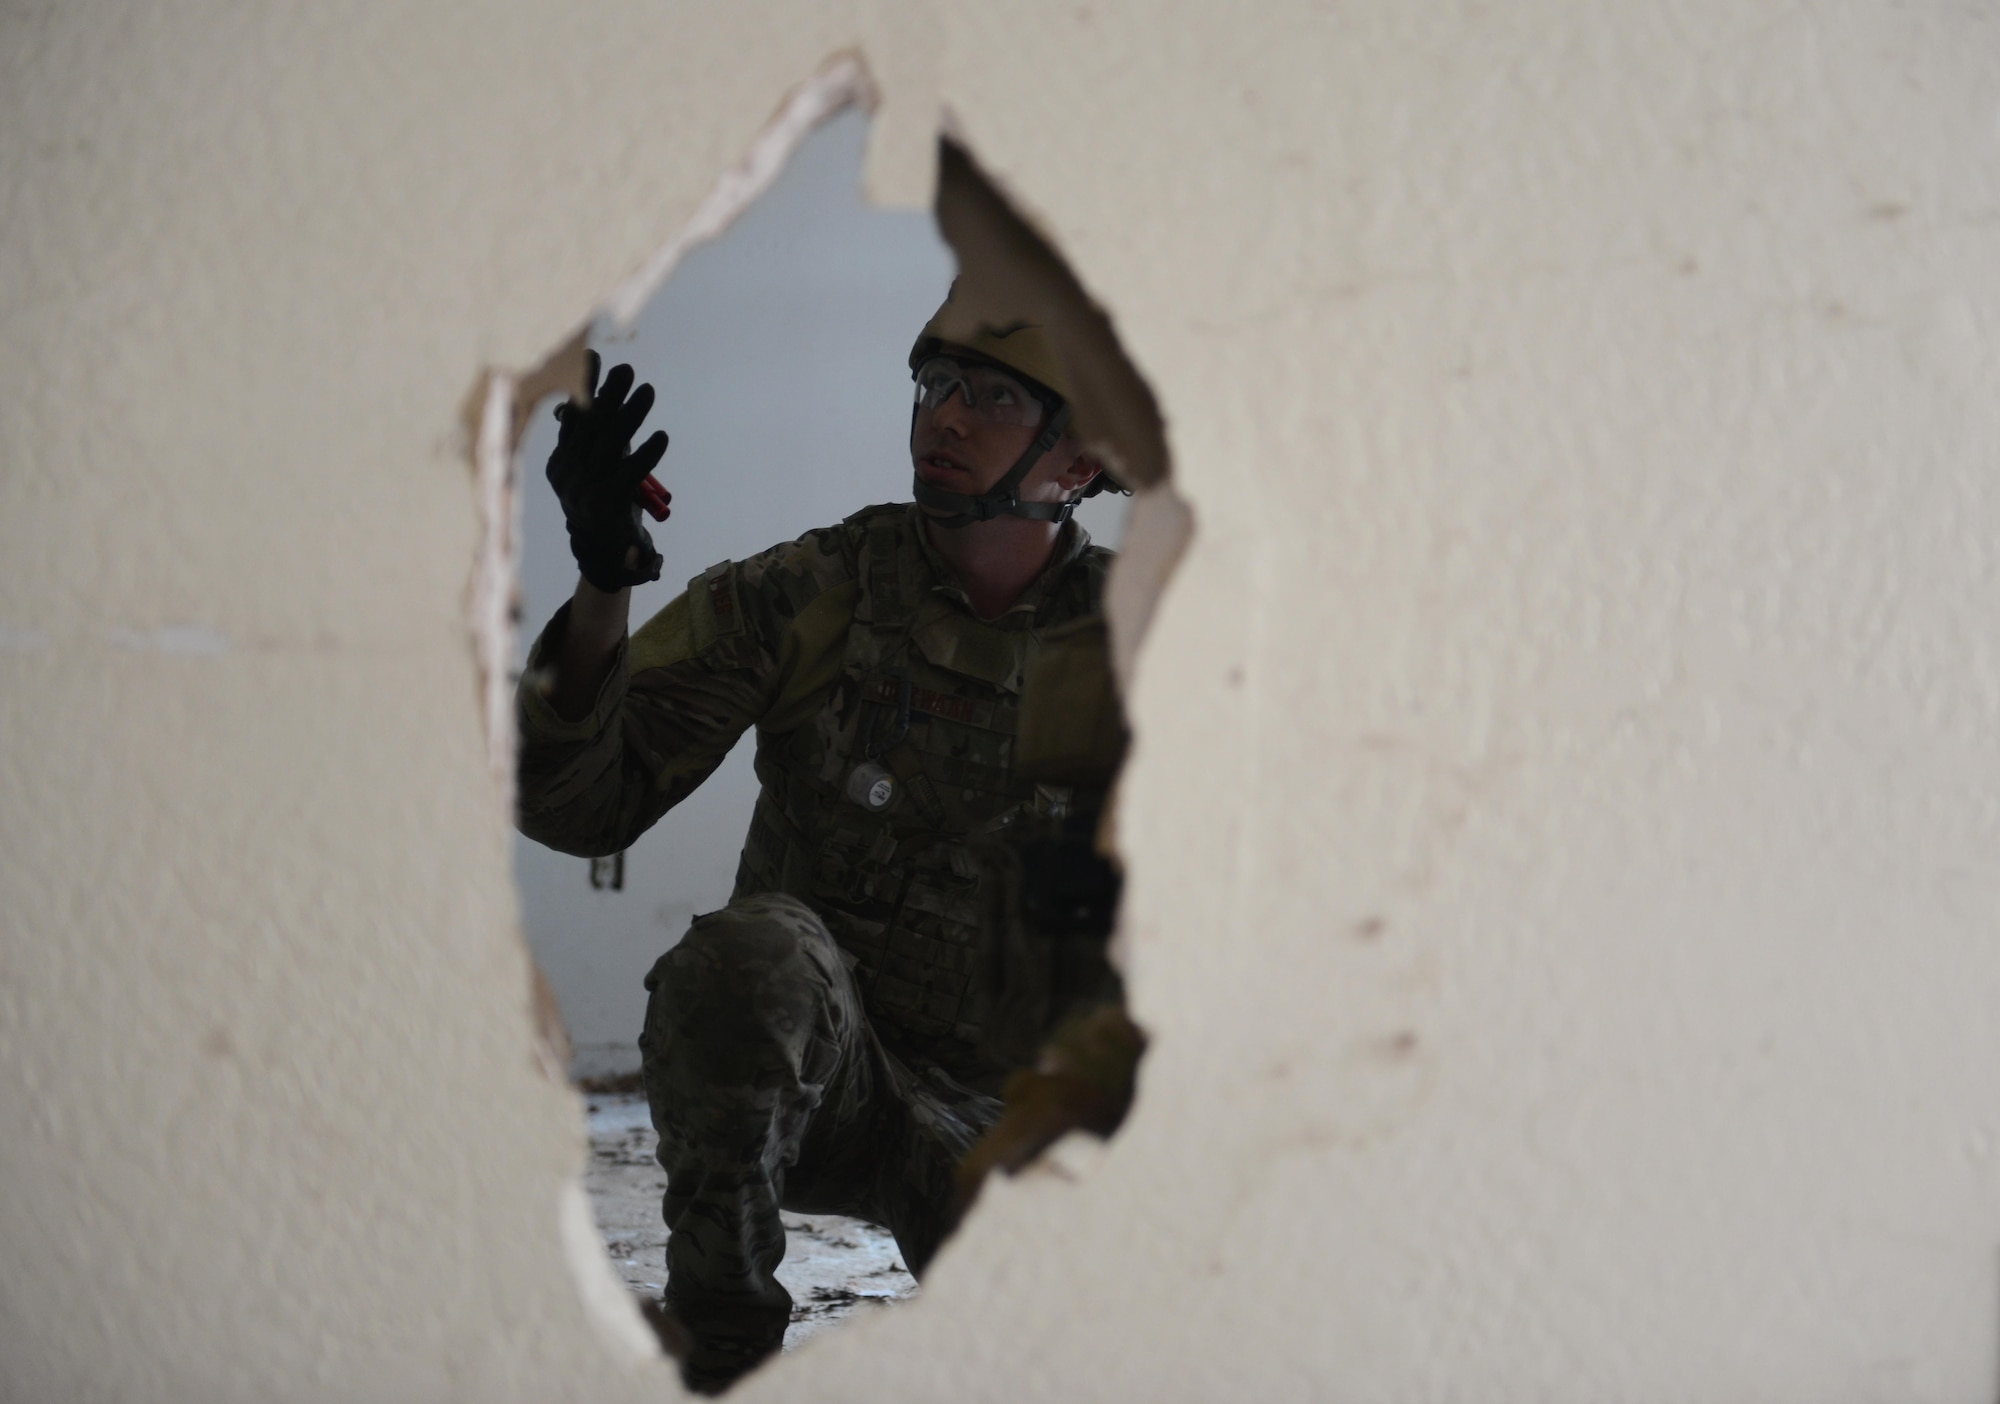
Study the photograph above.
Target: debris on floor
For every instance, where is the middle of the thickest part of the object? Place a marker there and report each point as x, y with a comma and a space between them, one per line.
833, 1266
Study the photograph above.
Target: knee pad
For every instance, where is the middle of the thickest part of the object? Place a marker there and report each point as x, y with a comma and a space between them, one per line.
746, 944
743, 992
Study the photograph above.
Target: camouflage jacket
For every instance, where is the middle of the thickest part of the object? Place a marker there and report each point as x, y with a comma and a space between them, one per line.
850, 650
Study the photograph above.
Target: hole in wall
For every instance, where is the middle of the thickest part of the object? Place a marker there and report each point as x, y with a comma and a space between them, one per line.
968, 917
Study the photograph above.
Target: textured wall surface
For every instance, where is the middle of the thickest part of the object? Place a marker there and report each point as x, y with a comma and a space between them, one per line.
1562, 824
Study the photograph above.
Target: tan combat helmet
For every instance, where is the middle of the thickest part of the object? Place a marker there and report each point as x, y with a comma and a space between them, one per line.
996, 332
991, 329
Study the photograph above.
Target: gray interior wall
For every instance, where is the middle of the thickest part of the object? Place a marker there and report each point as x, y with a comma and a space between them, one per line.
777, 353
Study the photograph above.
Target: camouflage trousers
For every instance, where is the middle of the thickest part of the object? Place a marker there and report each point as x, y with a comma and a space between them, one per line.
769, 1090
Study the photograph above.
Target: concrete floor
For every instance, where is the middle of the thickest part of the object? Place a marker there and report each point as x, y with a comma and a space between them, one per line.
833, 1266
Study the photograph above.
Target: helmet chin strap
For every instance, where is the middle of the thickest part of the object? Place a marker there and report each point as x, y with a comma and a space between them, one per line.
1004, 497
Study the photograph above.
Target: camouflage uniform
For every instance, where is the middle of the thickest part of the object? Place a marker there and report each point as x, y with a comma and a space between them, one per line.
817, 1043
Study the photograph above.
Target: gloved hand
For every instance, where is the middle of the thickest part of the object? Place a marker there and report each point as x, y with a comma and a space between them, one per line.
602, 481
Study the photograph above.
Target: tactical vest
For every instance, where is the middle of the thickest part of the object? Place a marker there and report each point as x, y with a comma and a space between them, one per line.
929, 695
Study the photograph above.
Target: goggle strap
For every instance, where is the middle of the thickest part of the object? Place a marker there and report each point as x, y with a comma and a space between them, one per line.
1007, 488
1002, 499
967, 510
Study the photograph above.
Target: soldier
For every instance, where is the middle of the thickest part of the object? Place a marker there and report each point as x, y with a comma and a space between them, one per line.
817, 1044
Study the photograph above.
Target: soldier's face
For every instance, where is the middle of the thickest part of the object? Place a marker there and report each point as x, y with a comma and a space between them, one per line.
960, 451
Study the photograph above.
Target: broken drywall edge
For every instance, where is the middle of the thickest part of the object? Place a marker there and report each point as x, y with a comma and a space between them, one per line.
506, 401
499, 407
1004, 254
553, 1052
1005, 250
493, 595
841, 83
606, 1300
561, 373
490, 595
1157, 534
492, 606
1074, 1157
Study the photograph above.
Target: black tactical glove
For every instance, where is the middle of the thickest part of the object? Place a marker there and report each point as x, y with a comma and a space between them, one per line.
601, 480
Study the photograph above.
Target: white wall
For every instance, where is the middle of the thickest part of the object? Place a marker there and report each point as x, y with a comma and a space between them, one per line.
1560, 830
779, 356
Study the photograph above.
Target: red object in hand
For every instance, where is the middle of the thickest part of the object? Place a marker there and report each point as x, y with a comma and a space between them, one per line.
654, 498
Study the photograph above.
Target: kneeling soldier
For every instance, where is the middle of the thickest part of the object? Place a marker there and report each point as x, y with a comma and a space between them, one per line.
819, 1043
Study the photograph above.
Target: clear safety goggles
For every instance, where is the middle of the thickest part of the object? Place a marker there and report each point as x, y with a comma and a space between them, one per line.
990, 394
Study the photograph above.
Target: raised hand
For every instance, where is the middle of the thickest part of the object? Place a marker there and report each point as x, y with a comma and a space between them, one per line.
603, 482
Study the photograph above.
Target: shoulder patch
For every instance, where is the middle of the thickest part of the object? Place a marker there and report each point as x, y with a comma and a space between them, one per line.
715, 605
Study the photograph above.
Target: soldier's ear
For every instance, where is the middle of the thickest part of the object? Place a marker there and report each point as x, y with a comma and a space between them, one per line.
1080, 472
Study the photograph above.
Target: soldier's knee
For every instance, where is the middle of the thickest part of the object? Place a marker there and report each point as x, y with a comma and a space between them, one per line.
754, 972
742, 1026
743, 945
